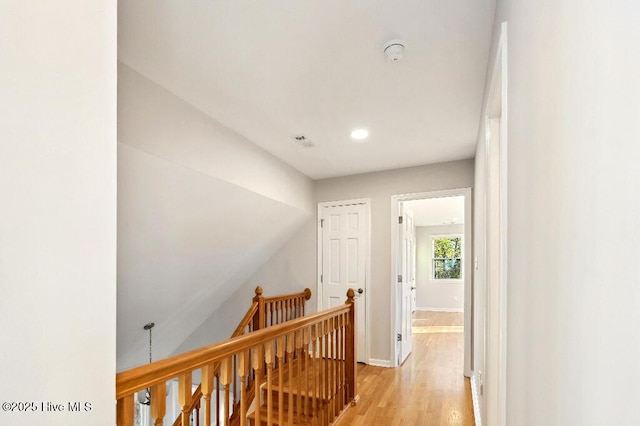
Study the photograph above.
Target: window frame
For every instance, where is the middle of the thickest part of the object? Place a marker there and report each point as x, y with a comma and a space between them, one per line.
432, 271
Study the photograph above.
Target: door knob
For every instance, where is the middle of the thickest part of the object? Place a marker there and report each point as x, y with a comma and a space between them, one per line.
360, 290
413, 288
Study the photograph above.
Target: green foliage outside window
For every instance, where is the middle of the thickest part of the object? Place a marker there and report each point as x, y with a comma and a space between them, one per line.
447, 258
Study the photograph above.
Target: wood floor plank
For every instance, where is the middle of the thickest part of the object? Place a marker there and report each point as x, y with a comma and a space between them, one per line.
429, 389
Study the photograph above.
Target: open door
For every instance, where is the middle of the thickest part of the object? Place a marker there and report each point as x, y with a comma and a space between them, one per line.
406, 280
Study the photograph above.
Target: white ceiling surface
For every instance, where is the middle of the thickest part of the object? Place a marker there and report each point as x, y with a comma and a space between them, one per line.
437, 211
273, 69
180, 253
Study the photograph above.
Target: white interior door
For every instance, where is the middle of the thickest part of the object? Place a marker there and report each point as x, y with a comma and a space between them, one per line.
344, 253
406, 280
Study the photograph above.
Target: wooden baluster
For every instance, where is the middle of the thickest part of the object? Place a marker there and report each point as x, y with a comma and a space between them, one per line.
351, 348
158, 403
280, 355
234, 380
332, 372
258, 363
298, 356
314, 369
271, 305
320, 374
217, 390
259, 320
305, 354
184, 396
341, 352
289, 363
268, 353
225, 379
124, 411
325, 337
242, 372
337, 364
197, 414
339, 403
207, 389
284, 310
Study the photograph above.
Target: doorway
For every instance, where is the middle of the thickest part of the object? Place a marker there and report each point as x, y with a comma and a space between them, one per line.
343, 261
431, 263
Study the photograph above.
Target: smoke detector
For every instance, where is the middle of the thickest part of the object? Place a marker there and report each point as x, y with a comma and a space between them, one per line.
303, 141
394, 49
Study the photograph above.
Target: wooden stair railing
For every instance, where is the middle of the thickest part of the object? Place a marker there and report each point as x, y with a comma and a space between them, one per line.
315, 377
283, 308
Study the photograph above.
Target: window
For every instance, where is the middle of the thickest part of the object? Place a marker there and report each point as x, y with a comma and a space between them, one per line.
446, 257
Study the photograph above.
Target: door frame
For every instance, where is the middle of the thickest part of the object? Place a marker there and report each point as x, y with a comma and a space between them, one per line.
468, 282
367, 288
496, 159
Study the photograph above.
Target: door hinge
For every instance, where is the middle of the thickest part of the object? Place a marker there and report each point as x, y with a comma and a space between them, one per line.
399, 337
321, 278
321, 223
399, 278
400, 220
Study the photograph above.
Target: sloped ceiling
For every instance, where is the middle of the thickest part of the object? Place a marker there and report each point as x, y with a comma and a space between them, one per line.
273, 69
190, 229
181, 252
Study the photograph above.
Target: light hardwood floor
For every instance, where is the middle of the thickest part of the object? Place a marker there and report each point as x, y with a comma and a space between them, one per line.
429, 389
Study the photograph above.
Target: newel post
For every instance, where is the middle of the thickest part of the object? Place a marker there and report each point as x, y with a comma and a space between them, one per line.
351, 361
259, 321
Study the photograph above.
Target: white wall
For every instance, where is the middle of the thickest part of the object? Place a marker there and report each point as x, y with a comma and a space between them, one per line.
200, 209
156, 121
379, 187
431, 294
58, 209
573, 106
285, 272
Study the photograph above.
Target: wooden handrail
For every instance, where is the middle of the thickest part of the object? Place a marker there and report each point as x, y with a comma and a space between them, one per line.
306, 294
131, 381
280, 357
286, 307
246, 320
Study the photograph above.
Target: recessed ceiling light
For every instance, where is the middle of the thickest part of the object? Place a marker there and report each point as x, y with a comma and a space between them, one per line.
359, 134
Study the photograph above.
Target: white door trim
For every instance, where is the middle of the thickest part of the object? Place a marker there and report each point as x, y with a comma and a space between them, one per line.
367, 300
468, 297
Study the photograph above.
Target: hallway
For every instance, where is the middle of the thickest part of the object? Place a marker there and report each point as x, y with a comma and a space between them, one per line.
429, 389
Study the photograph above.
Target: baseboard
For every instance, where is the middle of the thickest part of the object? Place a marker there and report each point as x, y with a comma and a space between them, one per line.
440, 309
380, 363
476, 401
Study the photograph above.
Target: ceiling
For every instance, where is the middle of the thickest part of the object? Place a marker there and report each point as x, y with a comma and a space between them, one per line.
270, 70
437, 211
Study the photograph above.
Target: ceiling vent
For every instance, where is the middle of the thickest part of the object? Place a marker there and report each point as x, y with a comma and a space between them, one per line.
303, 141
